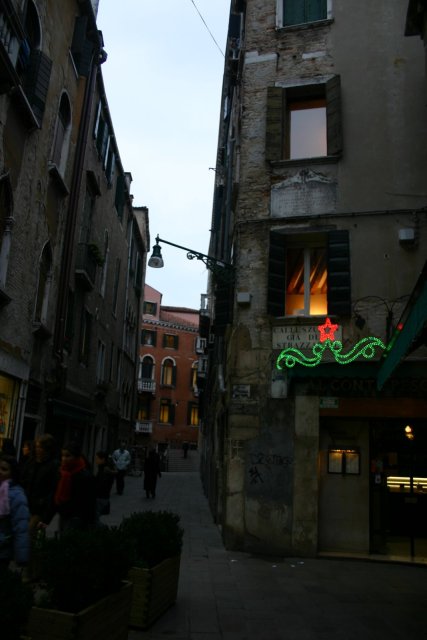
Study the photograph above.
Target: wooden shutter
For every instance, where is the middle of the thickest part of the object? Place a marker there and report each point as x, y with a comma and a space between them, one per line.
276, 290
36, 83
81, 48
339, 277
275, 125
223, 307
293, 12
120, 195
333, 116
316, 10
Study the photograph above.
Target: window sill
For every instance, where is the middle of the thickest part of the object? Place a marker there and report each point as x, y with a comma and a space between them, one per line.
4, 298
41, 331
304, 25
58, 179
299, 162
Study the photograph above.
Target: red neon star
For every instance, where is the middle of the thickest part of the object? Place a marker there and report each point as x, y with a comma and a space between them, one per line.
327, 331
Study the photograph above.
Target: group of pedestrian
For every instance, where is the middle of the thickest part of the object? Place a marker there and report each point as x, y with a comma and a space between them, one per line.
41, 485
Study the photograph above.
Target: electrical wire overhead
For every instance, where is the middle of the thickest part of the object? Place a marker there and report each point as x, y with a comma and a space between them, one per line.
210, 32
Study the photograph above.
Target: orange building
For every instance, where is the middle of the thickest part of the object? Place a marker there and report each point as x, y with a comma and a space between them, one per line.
168, 410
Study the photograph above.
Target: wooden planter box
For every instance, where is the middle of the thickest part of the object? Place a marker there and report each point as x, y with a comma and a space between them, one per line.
154, 591
108, 618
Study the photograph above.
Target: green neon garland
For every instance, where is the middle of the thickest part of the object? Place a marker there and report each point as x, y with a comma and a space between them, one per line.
364, 348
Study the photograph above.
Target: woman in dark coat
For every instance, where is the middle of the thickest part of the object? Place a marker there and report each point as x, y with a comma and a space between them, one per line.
151, 473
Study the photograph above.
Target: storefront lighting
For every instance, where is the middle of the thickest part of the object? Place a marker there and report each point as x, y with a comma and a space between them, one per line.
365, 348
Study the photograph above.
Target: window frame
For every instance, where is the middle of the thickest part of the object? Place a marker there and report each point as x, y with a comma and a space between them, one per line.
280, 16
166, 404
277, 145
170, 379
338, 273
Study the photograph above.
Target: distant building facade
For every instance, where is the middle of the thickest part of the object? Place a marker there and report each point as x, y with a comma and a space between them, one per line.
170, 358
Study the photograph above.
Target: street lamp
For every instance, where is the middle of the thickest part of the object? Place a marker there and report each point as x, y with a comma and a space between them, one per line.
224, 270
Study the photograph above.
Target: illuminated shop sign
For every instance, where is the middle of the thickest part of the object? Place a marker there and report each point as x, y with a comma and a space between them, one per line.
366, 348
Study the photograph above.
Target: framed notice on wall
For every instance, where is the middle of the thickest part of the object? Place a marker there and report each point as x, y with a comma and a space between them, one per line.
344, 461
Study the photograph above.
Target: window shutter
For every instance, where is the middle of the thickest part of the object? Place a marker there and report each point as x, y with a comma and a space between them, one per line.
276, 290
174, 372
339, 278
333, 116
172, 413
36, 82
276, 104
81, 47
120, 195
176, 341
223, 307
234, 25
293, 12
316, 10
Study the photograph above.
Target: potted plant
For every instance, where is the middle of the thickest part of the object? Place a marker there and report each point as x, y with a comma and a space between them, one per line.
155, 543
16, 600
83, 593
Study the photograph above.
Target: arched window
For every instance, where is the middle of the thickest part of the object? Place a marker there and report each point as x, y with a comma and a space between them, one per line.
147, 368
168, 377
62, 134
43, 288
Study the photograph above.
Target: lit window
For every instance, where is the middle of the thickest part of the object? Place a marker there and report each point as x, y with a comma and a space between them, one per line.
309, 274
168, 373
306, 282
307, 129
167, 413
304, 121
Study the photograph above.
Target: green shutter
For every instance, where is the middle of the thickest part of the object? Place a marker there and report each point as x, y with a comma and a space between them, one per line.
276, 289
81, 48
339, 277
223, 307
36, 83
333, 116
293, 12
315, 10
275, 129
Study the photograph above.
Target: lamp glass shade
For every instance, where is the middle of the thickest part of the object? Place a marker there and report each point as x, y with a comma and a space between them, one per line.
156, 260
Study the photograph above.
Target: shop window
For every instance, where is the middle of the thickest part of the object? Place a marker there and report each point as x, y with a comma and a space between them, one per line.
304, 121
344, 461
309, 274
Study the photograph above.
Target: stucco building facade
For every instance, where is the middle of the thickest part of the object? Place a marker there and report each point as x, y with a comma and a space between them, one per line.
72, 259
320, 206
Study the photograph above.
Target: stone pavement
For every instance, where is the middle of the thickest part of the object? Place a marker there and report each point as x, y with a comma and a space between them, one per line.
236, 596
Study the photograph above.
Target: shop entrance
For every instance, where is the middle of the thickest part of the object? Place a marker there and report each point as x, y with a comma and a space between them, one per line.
398, 487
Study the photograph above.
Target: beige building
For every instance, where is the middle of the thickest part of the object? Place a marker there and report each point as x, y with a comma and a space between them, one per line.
72, 258
319, 362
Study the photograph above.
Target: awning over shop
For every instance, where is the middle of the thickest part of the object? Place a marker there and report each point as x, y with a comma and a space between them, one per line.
411, 331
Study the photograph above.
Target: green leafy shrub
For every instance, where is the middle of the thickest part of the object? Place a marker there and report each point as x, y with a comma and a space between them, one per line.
153, 536
16, 600
81, 567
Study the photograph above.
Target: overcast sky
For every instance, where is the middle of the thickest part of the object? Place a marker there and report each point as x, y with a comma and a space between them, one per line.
163, 80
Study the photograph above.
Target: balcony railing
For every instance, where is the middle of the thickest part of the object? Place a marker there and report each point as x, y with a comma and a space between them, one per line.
145, 426
146, 385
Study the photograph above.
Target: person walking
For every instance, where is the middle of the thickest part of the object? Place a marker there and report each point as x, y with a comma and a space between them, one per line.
14, 516
151, 473
121, 459
104, 481
39, 477
75, 496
